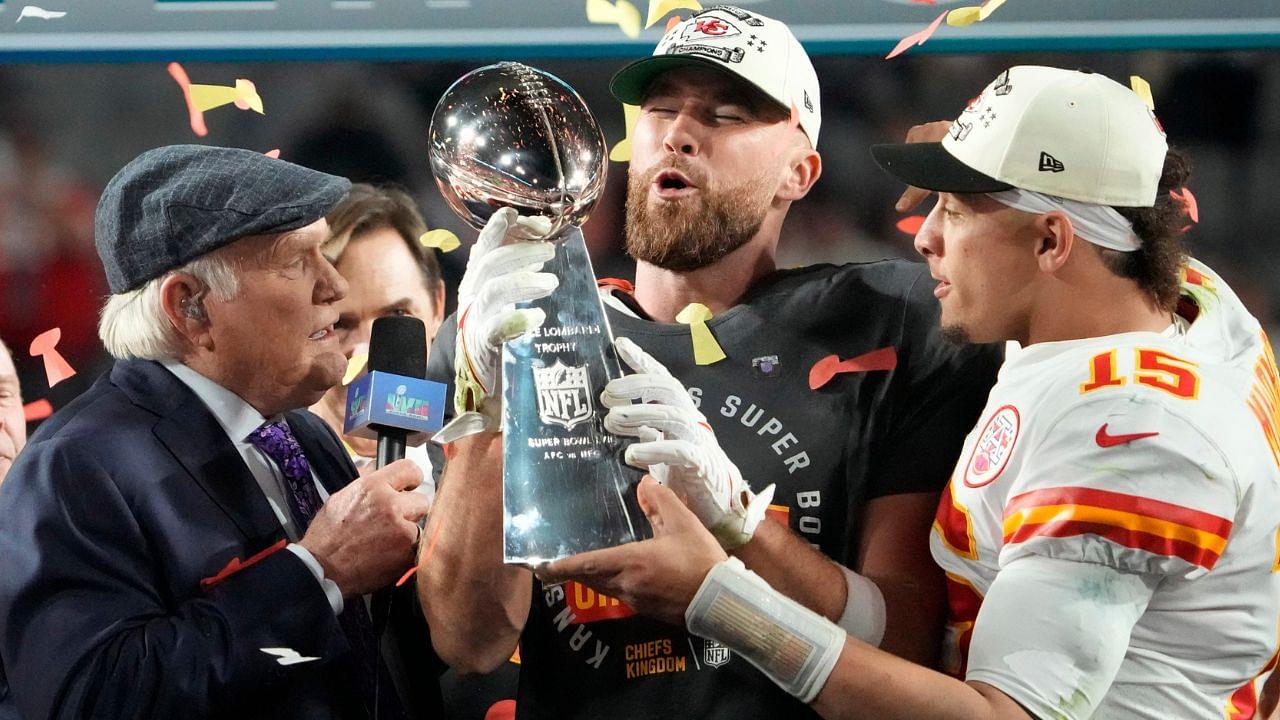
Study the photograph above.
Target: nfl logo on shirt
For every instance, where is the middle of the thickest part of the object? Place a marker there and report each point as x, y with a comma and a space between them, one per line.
714, 654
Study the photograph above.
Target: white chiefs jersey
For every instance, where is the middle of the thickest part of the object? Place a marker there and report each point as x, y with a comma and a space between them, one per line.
1155, 454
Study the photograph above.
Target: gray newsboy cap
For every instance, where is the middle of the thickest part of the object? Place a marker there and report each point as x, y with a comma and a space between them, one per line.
173, 204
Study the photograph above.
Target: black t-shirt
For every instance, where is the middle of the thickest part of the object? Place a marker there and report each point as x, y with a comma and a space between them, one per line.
894, 427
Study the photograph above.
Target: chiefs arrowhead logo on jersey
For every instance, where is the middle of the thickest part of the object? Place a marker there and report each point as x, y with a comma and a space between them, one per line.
994, 447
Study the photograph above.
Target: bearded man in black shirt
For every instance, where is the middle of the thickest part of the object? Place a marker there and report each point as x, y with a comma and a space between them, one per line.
837, 396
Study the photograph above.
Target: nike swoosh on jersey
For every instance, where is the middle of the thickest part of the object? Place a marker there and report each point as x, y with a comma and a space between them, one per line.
1107, 440
828, 367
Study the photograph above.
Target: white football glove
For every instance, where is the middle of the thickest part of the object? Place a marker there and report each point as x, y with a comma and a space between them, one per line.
678, 447
501, 272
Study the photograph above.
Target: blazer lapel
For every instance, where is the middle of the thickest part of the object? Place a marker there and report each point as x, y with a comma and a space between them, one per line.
196, 440
331, 466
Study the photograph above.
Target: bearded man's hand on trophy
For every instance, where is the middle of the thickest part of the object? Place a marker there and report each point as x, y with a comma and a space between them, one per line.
678, 447
502, 271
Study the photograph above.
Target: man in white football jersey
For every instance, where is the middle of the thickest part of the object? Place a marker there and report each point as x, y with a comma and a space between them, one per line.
1110, 531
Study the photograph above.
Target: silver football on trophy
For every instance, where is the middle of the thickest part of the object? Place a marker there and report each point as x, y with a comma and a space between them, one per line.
508, 135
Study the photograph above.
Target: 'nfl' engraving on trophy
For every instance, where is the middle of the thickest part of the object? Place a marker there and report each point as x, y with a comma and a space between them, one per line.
564, 394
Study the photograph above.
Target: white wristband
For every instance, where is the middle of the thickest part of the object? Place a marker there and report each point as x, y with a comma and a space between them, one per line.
795, 647
864, 614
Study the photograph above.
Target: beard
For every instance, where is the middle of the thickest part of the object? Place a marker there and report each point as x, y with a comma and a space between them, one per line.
693, 232
956, 334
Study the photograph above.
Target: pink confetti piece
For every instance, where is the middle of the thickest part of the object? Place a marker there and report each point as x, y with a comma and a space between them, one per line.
197, 117
1188, 202
273, 153
56, 367
916, 38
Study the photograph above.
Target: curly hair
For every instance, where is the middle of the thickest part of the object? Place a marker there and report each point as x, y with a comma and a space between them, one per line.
1155, 266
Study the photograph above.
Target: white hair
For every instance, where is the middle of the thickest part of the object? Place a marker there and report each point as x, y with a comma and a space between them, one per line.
133, 323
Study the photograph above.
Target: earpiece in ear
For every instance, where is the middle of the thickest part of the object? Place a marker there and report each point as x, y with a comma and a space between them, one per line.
192, 309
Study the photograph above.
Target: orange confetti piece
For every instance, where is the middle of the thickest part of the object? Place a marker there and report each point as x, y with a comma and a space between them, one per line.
197, 116
56, 367
38, 410
431, 547
911, 225
408, 574
273, 153
235, 565
916, 38
1188, 202
672, 21
828, 367
501, 710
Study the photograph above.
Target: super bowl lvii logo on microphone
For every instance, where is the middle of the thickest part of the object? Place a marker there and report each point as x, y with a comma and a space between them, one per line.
402, 404
564, 395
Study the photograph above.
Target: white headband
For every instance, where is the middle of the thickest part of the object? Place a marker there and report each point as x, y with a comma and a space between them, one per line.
1099, 224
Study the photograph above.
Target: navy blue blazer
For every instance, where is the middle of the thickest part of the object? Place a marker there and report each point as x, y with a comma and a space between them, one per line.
110, 518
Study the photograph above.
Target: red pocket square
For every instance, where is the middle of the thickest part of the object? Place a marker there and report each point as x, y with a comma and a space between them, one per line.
236, 565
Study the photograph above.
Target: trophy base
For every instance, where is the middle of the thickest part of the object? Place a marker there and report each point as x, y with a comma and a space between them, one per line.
566, 488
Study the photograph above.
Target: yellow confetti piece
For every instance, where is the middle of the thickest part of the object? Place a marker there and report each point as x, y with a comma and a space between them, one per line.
659, 8
1143, 89
965, 16
621, 151
247, 97
705, 348
622, 13
354, 366
208, 97
440, 239
244, 96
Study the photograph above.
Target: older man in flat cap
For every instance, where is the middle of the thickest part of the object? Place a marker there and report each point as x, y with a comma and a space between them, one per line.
183, 540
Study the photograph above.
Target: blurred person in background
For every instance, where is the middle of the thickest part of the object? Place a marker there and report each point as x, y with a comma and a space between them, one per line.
374, 245
13, 426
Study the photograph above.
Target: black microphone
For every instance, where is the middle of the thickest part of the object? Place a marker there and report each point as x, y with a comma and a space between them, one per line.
397, 346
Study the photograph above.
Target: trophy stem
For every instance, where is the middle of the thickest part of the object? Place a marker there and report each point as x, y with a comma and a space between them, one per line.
566, 488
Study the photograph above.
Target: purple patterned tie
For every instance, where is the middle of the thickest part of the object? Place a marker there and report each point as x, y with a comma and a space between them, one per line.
279, 444
277, 441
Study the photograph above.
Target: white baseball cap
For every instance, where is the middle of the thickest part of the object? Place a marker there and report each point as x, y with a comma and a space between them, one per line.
1066, 133
757, 49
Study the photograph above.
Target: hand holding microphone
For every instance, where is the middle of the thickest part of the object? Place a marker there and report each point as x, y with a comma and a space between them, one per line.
365, 535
